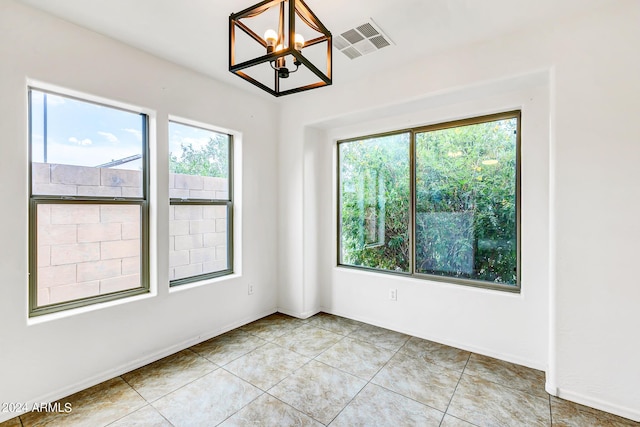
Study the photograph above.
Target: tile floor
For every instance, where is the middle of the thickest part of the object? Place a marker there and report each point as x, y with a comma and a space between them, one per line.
326, 370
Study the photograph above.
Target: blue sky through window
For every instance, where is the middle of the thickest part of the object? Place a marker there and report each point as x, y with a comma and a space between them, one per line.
195, 137
82, 133
86, 134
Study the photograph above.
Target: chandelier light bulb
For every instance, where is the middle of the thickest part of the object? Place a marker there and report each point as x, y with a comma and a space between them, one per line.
299, 42
280, 62
270, 36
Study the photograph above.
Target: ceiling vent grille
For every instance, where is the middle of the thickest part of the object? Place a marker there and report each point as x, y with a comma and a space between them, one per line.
361, 40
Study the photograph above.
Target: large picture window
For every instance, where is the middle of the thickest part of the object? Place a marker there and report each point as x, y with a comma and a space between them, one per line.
201, 203
88, 202
439, 202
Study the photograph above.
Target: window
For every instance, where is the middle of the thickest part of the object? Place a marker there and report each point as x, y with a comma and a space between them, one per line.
374, 196
201, 203
88, 210
440, 202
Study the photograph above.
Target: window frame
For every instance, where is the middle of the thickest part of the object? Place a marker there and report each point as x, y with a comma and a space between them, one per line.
511, 114
228, 203
43, 199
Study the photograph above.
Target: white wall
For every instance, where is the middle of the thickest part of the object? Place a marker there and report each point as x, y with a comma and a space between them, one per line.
577, 318
54, 358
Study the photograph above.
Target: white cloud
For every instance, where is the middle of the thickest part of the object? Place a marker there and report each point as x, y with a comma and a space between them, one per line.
196, 143
109, 136
136, 132
83, 142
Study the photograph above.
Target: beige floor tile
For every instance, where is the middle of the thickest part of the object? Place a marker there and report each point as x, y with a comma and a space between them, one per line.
13, 422
356, 357
507, 374
145, 417
569, 414
273, 326
336, 324
267, 365
376, 406
381, 337
318, 390
207, 401
486, 403
308, 340
166, 375
450, 421
95, 406
227, 347
439, 354
267, 411
425, 382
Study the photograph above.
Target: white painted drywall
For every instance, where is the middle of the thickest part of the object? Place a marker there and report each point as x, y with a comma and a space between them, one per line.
54, 358
577, 82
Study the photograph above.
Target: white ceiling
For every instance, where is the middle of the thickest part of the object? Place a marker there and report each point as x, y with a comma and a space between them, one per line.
194, 33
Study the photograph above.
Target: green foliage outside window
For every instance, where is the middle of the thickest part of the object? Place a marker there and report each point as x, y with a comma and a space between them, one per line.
210, 160
465, 207
375, 173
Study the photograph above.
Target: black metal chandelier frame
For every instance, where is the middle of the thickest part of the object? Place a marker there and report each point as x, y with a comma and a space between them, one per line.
289, 11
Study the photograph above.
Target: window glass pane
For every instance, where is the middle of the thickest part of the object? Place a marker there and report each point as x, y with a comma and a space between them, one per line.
198, 240
374, 202
198, 163
85, 250
466, 223
83, 149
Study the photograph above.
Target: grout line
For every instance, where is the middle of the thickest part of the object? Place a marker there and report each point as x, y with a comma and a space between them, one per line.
368, 381
455, 389
479, 375
550, 412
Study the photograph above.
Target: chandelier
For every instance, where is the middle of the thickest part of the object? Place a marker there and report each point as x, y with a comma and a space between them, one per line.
281, 62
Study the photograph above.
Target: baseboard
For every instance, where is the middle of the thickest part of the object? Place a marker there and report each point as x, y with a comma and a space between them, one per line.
622, 411
541, 366
550, 388
135, 364
303, 315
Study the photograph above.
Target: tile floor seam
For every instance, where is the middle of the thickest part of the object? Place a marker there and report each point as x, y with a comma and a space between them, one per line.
294, 408
137, 392
359, 391
267, 390
327, 349
126, 415
132, 387
233, 360
248, 403
347, 405
501, 384
461, 419
369, 382
455, 389
151, 402
410, 398
550, 413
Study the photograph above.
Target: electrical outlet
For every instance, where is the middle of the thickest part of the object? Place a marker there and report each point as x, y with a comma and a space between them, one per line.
250, 289
393, 294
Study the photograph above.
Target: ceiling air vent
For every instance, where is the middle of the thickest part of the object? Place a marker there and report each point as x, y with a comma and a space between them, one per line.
361, 40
